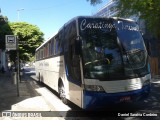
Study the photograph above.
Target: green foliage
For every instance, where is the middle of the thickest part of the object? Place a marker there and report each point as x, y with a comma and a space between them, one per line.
149, 10
4, 30
94, 2
29, 36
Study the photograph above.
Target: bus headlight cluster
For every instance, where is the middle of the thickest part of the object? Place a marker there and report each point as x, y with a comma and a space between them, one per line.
93, 88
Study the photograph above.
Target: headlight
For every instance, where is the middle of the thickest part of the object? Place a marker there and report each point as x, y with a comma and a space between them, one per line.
93, 88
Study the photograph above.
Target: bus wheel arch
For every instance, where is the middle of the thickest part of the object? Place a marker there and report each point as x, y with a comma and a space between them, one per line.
61, 91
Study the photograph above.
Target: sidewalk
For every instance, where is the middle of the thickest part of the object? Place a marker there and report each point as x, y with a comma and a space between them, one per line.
28, 99
8, 91
155, 79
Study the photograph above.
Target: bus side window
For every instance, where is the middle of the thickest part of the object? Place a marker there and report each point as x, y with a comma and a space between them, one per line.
52, 47
75, 63
57, 46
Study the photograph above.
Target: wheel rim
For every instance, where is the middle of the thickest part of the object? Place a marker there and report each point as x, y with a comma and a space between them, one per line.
61, 91
62, 94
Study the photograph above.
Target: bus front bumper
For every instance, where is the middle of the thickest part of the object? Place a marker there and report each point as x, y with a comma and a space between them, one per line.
94, 99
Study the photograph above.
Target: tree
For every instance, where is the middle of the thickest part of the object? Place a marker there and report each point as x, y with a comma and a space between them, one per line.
30, 37
94, 2
149, 10
4, 30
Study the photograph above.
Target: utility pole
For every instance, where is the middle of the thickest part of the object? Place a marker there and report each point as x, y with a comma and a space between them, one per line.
18, 73
18, 13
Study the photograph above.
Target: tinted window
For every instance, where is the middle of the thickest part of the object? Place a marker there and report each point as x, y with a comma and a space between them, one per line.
112, 49
133, 47
52, 46
101, 54
57, 45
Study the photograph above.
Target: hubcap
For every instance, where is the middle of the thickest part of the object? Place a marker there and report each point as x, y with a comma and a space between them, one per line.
62, 95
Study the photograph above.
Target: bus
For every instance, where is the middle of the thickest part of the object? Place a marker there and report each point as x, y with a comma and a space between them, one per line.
95, 61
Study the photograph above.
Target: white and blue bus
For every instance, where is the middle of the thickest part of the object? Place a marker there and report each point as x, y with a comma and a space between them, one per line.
95, 61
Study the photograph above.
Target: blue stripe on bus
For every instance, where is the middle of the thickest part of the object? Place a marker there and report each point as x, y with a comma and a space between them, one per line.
94, 99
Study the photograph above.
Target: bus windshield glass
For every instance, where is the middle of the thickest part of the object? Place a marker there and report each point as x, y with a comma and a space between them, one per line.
133, 47
112, 49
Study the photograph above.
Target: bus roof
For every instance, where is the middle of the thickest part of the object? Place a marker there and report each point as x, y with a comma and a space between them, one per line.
115, 18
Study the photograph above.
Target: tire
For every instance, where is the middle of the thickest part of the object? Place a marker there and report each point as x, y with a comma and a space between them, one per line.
39, 78
62, 94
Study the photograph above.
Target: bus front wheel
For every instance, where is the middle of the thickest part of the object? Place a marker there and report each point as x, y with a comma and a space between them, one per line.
62, 94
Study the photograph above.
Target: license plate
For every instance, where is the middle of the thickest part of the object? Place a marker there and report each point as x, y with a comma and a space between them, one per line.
125, 98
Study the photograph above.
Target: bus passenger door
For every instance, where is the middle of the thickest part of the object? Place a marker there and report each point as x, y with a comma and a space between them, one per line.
75, 75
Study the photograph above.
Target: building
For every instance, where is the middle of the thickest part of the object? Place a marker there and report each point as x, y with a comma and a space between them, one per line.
149, 39
3, 55
3, 60
106, 10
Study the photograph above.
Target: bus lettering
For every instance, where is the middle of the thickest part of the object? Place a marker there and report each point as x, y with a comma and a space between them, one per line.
99, 25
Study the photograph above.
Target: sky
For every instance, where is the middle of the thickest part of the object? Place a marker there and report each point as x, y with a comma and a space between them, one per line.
48, 15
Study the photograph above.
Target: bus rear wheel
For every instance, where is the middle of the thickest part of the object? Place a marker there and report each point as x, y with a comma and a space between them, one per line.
39, 78
62, 94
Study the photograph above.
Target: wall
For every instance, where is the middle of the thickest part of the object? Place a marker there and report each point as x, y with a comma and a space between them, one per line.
154, 65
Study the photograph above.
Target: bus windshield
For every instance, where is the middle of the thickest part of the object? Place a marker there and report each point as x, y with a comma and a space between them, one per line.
133, 48
112, 49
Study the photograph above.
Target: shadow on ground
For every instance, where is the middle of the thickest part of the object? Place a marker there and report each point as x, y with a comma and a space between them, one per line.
8, 91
